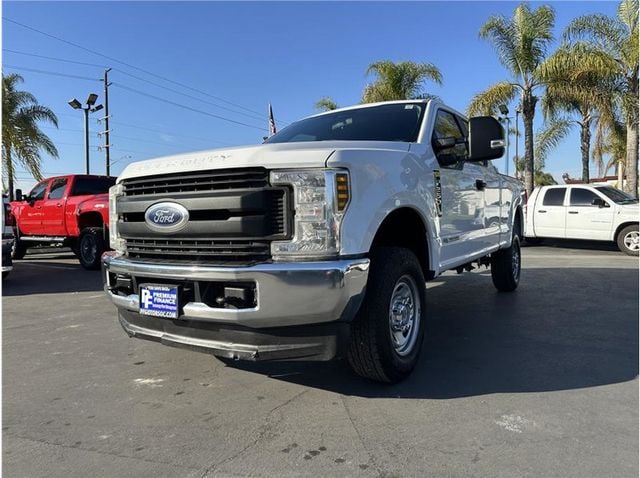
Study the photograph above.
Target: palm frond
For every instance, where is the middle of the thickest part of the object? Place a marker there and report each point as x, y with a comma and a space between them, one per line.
325, 104
486, 102
554, 132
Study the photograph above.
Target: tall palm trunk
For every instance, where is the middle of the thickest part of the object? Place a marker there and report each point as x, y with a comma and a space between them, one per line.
585, 145
632, 157
10, 171
528, 111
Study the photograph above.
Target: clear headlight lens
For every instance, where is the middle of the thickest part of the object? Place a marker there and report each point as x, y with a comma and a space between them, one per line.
318, 213
115, 241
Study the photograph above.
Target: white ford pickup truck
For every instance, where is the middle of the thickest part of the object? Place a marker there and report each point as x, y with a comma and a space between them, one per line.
317, 243
583, 211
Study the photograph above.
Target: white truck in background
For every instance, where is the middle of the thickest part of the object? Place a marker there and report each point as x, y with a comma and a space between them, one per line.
317, 243
583, 211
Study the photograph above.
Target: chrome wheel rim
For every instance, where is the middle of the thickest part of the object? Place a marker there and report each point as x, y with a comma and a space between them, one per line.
632, 241
404, 315
515, 260
88, 248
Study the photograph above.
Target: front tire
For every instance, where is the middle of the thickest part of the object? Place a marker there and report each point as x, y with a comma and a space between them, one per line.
387, 333
629, 240
505, 267
91, 245
19, 249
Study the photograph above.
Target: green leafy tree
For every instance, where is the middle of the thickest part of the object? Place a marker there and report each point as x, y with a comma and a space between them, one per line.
521, 44
611, 51
22, 139
399, 81
325, 104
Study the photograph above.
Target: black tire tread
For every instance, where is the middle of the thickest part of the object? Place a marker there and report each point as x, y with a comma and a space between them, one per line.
97, 231
501, 272
365, 354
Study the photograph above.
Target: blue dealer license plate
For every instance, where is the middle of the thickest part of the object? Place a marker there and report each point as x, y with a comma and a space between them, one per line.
159, 300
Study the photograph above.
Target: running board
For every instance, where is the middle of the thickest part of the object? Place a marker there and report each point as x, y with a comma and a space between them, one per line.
43, 238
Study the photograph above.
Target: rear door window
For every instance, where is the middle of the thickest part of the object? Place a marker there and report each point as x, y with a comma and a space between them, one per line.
58, 186
554, 197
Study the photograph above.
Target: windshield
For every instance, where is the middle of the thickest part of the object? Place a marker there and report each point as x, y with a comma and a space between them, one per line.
616, 195
390, 122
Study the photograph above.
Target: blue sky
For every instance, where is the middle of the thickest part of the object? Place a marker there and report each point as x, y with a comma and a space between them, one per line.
248, 54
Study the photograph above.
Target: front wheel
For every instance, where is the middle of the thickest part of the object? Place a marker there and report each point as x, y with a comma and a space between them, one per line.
387, 333
505, 266
18, 250
91, 245
629, 240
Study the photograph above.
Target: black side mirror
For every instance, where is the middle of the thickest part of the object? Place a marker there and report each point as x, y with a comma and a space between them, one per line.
19, 196
599, 202
486, 138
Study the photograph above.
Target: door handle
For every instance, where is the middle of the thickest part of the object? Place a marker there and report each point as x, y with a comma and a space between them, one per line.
542, 210
573, 212
38, 207
480, 184
59, 205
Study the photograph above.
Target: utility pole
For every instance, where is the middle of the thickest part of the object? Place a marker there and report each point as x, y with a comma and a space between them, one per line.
107, 144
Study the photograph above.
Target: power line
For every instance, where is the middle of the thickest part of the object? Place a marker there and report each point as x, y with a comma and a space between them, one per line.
168, 133
180, 105
48, 72
53, 58
65, 60
129, 65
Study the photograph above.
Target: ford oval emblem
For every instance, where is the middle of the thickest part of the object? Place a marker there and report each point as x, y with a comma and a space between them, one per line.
166, 216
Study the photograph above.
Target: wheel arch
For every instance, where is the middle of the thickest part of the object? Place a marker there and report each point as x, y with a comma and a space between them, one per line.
405, 227
622, 226
90, 219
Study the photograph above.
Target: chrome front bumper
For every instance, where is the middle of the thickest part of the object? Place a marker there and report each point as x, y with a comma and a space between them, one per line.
287, 294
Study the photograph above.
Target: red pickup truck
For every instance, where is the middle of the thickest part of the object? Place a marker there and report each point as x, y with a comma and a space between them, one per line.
68, 210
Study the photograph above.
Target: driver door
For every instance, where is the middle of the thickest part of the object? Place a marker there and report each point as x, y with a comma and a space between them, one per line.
31, 217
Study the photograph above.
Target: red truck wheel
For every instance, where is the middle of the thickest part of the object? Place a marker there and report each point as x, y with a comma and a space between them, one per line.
91, 245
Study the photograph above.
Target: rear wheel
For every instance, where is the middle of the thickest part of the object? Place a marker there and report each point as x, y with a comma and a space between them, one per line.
91, 245
387, 333
629, 240
505, 266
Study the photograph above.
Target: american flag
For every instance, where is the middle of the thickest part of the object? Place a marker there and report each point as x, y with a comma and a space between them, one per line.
272, 122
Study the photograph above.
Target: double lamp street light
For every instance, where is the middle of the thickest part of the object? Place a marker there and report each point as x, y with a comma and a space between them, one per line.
90, 107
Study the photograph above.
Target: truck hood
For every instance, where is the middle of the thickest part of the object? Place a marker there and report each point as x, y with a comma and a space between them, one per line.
271, 156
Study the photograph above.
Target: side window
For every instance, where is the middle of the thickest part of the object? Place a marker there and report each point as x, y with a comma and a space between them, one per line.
87, 186
582, 197
58, 186
37, 193
554, 197
446, 129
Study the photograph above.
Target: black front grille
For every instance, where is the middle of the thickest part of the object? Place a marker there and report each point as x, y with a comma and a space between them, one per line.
180, 250
216, 180
233, 217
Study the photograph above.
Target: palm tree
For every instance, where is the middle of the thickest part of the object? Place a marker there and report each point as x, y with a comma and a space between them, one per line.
399, 81
22, 139
611, 51
587, 98
521, 44
326, 104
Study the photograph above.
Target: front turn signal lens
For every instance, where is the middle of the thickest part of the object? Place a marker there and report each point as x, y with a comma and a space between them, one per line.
342, 191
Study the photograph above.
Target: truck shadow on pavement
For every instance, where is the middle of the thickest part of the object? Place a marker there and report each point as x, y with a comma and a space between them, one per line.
49, 275
564, 328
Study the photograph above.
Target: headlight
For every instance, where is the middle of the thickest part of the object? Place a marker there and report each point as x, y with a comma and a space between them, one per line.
320, 198
115, 241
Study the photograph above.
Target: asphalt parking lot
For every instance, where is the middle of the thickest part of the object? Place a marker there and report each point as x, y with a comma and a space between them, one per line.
541, 382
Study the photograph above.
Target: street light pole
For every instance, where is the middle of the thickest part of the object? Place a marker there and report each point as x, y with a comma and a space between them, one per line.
90, 107
86, 139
